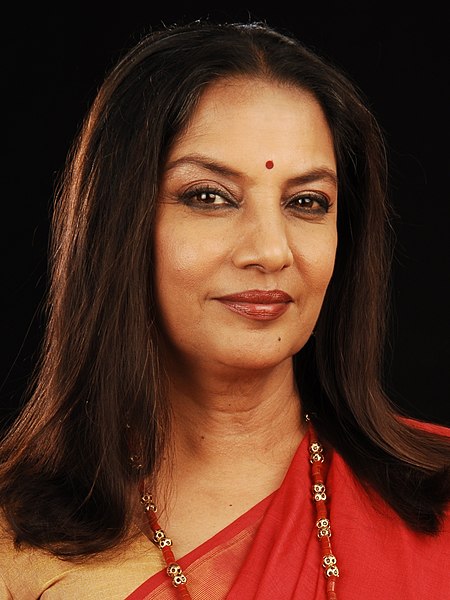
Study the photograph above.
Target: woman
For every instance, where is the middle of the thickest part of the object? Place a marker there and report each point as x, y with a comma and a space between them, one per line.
215, 323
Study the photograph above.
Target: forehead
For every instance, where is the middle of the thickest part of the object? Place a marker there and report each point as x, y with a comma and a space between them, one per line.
251, 117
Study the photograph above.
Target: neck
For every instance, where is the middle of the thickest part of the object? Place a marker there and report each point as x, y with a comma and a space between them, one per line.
233, 439
221, 417
228, 433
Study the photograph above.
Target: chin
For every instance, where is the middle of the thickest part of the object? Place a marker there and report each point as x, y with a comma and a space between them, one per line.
259, 358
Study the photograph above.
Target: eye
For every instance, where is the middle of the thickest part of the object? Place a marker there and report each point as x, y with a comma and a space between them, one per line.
309, 203
206, 197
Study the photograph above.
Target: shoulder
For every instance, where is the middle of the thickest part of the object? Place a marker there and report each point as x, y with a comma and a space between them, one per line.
410, 563
25, 572
29, 573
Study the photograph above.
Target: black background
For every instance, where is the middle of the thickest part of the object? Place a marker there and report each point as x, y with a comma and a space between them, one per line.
54, 60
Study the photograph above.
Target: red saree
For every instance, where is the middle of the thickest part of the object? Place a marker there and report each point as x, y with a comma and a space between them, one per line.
272, 551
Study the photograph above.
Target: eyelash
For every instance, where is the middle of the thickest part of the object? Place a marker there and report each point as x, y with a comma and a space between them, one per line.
190, 198
323, 202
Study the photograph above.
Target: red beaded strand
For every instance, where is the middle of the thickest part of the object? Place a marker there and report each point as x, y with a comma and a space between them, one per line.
323, 523
164, 543
331, 570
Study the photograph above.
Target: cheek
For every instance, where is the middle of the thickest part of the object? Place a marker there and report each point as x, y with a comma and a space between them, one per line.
185, 261
179, 261
325, 266
176, 264
317, 260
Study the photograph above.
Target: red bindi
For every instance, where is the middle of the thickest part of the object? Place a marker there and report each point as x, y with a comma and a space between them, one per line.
269, 164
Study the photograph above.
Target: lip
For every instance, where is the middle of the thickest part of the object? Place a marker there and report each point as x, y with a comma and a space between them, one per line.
259, 305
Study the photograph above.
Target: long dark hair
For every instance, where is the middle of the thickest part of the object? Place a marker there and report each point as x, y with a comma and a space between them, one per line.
100, 387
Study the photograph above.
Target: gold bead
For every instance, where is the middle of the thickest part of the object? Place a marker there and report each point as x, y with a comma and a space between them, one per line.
332, 571
329, 560
158, 535
147, 500
319, 497
316, 458
179, 580
321, 523
326, 532
315, 447
174, 569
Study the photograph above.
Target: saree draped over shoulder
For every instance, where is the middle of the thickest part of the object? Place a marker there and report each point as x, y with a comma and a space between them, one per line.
272, 551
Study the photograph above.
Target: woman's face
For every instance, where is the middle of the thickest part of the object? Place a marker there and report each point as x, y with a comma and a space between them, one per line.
245, 237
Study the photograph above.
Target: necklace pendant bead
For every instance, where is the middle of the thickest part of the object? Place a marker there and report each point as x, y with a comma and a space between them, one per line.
316, 457
322, 523
174, 569
315, 447
332, 571
175, 572
329, 560
160, 539
324, 533
147, 501
179, 580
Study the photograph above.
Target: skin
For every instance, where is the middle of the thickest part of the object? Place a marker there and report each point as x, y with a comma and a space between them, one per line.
227, 223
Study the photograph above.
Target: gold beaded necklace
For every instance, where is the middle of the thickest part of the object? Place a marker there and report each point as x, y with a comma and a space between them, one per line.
331, 571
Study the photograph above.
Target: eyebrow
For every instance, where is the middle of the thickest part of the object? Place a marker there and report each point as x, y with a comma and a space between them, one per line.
319, 173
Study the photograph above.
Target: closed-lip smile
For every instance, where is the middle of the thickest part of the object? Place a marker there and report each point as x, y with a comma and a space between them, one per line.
259, 305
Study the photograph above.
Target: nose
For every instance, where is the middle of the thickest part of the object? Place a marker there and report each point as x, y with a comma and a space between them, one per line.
262, 242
